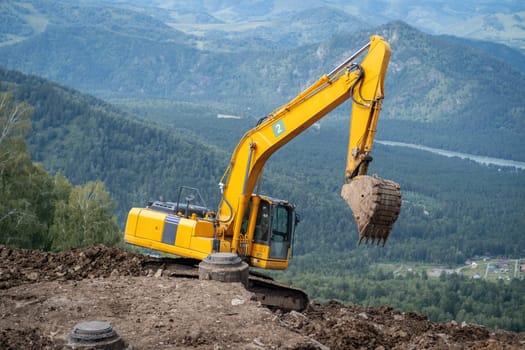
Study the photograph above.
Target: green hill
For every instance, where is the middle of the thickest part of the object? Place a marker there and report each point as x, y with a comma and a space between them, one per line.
86, 138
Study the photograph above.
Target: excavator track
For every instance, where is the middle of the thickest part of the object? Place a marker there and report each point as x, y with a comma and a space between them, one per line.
277, 295
268, 292
375, 204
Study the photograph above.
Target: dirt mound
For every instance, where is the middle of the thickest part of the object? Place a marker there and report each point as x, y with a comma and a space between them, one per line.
354, 327
44, 295
21, 266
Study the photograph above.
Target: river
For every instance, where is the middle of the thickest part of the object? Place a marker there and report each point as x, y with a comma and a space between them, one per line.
478, 159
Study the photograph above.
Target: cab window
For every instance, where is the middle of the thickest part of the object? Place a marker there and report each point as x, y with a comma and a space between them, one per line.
280, 224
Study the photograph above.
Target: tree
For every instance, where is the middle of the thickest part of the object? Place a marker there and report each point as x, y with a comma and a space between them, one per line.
84, 218
14, 122
18, 199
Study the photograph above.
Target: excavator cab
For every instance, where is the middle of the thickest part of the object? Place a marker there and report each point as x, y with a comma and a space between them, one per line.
273, 223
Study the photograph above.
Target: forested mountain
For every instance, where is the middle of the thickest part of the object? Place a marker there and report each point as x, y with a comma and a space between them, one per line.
438, 93
434, 83
506, 54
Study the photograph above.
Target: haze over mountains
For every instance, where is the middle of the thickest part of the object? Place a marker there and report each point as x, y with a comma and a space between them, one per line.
301, 21
130, 50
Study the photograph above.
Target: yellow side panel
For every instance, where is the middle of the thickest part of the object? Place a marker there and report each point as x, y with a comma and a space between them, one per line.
145, 228
261, 258
203, 229
184, 232
145, 223
225, 246
131, 222
260, 251
168, 248
201, 244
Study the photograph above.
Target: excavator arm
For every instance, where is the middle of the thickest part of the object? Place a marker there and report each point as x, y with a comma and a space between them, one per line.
363, 83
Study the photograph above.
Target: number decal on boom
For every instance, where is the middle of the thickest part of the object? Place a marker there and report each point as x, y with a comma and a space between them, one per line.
278, 128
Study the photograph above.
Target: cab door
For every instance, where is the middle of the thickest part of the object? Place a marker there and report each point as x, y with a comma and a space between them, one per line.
273, 229
281, 231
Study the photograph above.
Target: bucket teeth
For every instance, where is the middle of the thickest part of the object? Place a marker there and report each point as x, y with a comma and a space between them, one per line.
375, 205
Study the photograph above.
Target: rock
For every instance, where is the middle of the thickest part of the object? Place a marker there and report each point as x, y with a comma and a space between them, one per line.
257, 342
237, 301
33, 276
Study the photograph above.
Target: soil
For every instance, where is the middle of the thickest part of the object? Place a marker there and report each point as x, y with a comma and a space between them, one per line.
44, 295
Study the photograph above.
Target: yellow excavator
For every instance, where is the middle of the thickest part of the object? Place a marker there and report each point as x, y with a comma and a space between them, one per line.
259, 229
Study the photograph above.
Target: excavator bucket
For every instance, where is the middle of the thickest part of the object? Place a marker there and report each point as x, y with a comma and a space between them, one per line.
375, 205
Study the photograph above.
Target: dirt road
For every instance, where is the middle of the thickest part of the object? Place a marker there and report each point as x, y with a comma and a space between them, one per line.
44, 295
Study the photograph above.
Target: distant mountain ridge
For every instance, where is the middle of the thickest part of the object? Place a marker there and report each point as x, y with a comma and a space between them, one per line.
506, 54
493, 20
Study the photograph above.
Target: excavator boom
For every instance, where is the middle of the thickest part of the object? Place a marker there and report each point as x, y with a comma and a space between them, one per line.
363, 83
